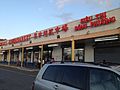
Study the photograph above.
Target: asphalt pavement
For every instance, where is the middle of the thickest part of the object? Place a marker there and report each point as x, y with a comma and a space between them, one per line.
29, 71
13, 78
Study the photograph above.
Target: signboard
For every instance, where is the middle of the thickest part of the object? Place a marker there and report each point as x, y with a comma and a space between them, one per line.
98, 20
87, 22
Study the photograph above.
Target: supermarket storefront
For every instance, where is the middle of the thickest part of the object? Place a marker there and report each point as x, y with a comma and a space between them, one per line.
90, 39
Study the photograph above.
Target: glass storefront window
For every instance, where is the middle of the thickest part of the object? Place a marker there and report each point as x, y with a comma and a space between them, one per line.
47, 56
29, 57
36, 57
67, 54
79, 54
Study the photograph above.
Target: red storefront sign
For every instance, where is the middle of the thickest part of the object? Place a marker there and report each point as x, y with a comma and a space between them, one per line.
94, 21
98, 20
35, 35
20, 39
104, 21
39, 34
57, 29
80, 27
51, 31
65, 28
86, 19
3, 43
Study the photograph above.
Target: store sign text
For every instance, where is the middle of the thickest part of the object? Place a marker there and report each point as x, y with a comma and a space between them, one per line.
51, 31
88, 21
44, 33
98, 20
16, 40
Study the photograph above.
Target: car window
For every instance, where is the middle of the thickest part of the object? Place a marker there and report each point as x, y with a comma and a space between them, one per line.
50, 73
104, 80
75, 76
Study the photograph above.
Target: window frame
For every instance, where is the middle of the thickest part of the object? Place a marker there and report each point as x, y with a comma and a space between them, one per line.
101, 69
60, 82
45, 73
86, 82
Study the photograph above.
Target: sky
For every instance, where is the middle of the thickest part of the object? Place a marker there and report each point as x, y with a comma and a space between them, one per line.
21, 17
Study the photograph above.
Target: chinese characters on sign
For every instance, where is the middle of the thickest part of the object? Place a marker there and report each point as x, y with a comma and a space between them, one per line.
88, 21
51, 31
44, 33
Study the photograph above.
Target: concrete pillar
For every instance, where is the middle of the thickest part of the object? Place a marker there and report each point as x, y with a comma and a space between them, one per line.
0, 55
3, 56
14, 56
9, 57
32, 54
22, 56
57, 53
41, 56
89, 53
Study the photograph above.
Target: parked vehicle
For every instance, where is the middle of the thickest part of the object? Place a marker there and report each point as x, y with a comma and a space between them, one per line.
76, 76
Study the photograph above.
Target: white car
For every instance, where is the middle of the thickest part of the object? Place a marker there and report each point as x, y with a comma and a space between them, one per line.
76, 76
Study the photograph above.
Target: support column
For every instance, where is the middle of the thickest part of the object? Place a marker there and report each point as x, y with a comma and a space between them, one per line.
14, 59
32, 54
73, 49
41, 56
62, 54
22, 57
9, 57
3, 56
20, 54
0, 55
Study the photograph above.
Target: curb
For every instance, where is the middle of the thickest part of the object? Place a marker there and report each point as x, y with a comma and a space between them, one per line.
20, 68
26, 69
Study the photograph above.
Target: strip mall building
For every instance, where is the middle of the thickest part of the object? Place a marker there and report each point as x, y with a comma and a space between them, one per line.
90, 39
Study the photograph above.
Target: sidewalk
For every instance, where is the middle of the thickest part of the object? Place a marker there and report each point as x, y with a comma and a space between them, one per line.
20, 68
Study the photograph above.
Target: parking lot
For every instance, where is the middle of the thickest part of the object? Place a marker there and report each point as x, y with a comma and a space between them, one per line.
14, 79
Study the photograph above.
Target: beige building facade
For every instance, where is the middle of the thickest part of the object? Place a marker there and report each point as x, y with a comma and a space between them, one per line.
90, 39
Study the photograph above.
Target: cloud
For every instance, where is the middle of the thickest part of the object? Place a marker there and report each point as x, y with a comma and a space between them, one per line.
61, 3
98, 3
66, 17
102, 4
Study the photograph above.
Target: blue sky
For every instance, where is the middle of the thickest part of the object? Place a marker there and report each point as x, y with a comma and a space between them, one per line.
20, 17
